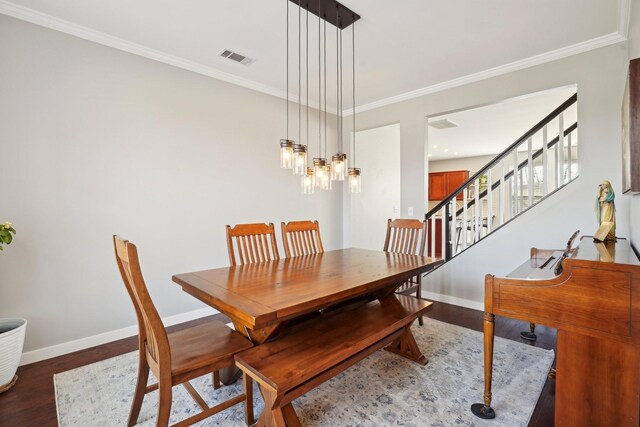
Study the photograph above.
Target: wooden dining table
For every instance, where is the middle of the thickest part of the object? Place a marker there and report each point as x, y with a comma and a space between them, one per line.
262, 299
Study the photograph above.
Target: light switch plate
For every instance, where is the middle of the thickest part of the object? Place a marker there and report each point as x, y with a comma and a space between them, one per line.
410, 211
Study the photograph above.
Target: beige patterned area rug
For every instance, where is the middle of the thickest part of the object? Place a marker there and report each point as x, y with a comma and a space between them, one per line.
382, 390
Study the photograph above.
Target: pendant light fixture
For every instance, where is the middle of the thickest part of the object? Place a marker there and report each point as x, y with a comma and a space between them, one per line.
338, 160
299, 150
286, 145
355, 180
320, 163
294, 155
308, 181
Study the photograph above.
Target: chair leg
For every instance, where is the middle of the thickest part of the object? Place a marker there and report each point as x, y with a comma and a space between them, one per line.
216, 380
419, 296
248, 403
164, 404
141, 387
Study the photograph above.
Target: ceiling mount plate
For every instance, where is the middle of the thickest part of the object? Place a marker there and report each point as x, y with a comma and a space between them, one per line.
329, 10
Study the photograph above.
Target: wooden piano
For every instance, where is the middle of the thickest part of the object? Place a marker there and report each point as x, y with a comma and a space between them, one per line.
593, 299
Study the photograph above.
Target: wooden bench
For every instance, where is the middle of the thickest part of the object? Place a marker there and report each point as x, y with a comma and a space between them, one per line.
321, 348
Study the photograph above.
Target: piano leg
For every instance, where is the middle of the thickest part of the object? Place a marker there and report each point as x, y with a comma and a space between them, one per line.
531, 335
484, 410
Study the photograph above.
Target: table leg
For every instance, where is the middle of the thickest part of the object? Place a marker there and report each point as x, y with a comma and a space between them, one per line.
407, 347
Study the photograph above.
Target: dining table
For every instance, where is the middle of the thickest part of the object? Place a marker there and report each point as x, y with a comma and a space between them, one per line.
264, 299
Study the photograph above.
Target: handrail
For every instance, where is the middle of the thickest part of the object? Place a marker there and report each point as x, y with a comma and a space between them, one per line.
562, 107
521, 165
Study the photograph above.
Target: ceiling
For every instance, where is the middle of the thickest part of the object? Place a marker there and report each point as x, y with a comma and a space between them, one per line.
488, 130
403, 48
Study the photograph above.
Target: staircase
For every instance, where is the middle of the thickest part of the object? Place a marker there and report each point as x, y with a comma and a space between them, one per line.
535, 166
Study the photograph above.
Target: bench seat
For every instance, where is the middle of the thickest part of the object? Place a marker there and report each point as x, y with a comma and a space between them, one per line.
322, 347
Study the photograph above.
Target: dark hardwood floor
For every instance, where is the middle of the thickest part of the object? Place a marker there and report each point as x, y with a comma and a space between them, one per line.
31, 402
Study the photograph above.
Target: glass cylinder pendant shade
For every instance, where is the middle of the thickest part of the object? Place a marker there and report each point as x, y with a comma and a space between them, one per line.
355, 183
338, 166
329, 182
299, 159
308, 183
321, 173
286, 154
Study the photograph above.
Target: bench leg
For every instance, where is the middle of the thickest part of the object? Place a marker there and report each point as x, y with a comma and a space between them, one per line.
407, 347
290, 416
275, 416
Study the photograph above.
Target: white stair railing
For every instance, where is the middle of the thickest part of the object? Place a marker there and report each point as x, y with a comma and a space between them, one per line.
539, 163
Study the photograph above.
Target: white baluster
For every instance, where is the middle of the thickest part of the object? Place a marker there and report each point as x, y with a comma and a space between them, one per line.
561, 149
443, 240
464, 217
556, 167
489, 200
477, 210
515, 204
570, 161
455, 230
433, 236
521, 188
530, 163
501, 193
545, 171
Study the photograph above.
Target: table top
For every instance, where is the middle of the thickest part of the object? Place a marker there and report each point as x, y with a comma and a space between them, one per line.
263, 294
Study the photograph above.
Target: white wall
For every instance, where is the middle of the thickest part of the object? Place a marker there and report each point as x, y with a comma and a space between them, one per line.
599, 76
378, 155
94, 142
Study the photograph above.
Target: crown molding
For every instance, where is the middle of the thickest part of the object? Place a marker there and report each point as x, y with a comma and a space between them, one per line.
49, 21
86, 33
532, 61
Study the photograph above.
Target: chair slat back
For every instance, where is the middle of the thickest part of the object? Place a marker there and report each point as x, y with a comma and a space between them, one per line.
301, 238
405, 236
149, 322
252, 243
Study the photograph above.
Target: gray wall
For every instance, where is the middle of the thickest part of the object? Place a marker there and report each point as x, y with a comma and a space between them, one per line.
599, 76
94, 142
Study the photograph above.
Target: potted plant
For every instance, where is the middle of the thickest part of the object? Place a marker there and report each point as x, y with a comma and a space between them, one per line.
12, 330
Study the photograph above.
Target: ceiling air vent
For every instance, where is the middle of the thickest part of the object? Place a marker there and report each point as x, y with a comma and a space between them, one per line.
443, 124
237, 57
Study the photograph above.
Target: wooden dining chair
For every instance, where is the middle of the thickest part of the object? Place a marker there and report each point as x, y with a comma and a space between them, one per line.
301, 238
407, 236
177, 357
252, 243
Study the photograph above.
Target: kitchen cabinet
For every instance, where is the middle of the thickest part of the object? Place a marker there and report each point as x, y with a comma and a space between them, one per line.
441, 184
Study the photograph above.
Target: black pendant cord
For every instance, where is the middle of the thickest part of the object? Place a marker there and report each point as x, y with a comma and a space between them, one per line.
325, 82
299, 74
306, 54
319, 87
287, 2
338, 84
341, 100
353, 77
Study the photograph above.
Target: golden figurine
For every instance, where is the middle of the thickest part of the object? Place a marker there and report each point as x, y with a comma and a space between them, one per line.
605, 213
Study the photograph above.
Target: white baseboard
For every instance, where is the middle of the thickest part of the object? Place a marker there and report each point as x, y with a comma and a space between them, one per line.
82, 343
462, 302
94, 340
